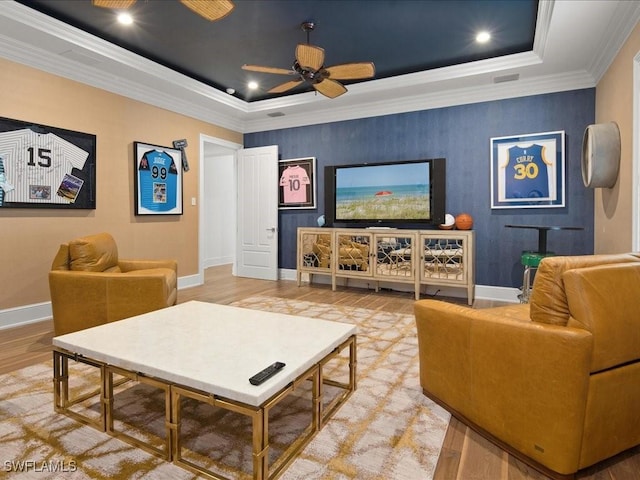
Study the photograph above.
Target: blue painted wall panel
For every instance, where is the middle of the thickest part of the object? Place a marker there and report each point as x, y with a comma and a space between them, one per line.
461, 134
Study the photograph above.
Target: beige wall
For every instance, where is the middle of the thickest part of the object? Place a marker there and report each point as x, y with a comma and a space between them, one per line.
29, 238
614, 102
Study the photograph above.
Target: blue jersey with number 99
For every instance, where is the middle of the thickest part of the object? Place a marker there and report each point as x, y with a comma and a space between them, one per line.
158, 181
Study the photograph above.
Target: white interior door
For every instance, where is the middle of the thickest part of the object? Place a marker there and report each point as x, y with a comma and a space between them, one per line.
257, 238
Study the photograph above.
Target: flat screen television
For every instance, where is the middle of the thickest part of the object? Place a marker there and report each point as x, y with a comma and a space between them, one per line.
405, 193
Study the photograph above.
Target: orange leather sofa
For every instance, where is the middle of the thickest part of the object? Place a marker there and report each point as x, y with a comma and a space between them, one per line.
91, 286
556, 382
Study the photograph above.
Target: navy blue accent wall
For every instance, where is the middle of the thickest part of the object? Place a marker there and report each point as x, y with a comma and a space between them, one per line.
461, 134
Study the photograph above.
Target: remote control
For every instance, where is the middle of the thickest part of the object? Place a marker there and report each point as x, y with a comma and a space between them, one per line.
267, 373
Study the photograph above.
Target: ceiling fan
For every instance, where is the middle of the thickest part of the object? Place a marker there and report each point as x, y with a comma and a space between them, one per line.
309, 66
210, 9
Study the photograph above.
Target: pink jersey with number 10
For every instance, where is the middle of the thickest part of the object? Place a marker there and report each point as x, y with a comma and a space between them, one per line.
294, 181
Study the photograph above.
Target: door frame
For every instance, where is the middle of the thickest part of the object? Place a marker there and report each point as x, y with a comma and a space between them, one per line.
231, 146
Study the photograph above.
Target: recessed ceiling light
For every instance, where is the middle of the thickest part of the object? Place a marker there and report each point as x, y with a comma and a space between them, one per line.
125, 18
483, 37
231, 91
252, 85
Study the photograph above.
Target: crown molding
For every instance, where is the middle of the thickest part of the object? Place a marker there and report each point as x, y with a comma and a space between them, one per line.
412, 81
427, 101
543, 24
61, 65
80, 56
103, 52
619, 29
36, 40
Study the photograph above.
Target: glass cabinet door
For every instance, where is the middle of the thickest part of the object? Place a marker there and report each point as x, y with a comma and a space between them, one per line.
353, 253
314, 250
394, 257
443, 259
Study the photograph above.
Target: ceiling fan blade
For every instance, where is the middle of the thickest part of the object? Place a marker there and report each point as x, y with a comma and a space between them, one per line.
283, 87
352, 71
259, 68
309, 56
330, 88
212, 10
116, 4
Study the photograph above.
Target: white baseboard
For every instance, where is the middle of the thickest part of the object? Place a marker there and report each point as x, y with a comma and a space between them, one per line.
13, 317
190, 281
287, 274
24, 315
217, 261
499, 294
38, 312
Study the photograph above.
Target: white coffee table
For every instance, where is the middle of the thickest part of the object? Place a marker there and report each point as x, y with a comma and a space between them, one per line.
208, 352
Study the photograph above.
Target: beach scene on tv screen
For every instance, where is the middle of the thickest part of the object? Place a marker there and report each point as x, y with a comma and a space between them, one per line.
383, 192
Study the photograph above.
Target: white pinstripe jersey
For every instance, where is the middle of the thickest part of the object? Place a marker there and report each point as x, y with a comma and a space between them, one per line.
35, 165
3, 185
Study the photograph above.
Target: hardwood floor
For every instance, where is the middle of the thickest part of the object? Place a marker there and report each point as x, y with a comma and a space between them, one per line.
465, 455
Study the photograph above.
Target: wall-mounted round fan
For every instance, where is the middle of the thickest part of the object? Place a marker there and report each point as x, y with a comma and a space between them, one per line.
210, 9
309, 67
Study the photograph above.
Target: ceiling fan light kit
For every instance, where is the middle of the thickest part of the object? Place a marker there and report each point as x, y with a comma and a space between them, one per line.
309, 66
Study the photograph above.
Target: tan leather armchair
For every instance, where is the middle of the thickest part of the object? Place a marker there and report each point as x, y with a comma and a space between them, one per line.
91, 286
556, 382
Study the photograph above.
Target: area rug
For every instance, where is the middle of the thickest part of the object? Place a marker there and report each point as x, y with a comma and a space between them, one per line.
386, 430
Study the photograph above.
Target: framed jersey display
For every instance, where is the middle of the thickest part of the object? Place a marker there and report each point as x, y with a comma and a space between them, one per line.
157, 179
46, 167
297, 183
528, 171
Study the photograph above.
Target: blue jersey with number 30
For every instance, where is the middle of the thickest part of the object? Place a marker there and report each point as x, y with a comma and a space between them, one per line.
158, 180
526, 173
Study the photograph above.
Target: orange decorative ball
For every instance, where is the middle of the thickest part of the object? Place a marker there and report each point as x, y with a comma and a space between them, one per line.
464, 221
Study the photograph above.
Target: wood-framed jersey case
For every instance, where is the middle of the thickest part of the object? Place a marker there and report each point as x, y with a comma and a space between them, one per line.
157, 179
46, 167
